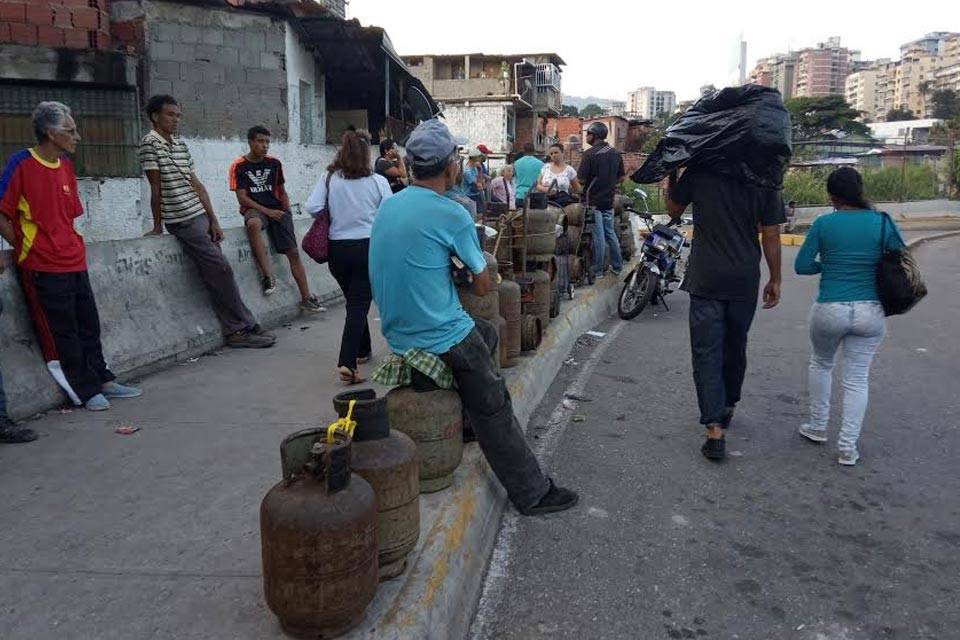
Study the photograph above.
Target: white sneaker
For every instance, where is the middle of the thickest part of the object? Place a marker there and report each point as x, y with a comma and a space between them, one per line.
848, 457
814, 435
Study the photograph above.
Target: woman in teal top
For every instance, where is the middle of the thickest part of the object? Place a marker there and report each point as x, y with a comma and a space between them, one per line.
844, 247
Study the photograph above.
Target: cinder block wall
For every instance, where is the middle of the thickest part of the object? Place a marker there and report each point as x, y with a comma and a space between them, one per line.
225, 67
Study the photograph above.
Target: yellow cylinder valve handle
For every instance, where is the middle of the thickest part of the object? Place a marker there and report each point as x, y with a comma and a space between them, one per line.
344, 425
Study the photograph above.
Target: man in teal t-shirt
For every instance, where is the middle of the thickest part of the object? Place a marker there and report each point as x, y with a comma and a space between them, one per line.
526, 172
415, 234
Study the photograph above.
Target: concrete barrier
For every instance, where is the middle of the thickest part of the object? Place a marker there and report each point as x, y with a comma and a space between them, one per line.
436, 596
153, 310
899, 210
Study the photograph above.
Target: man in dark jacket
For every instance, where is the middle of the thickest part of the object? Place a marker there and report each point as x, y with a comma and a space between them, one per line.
601, 171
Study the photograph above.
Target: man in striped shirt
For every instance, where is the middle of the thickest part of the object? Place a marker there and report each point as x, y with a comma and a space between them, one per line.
179, 201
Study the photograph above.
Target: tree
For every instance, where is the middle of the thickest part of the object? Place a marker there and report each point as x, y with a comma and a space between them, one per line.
592, 110
898, 114
816, 117
569, 110
946, 104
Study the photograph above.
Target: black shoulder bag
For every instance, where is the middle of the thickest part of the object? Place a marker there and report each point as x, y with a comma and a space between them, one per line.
899, 282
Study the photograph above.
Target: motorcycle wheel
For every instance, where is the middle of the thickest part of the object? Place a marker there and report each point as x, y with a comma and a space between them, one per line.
633, 299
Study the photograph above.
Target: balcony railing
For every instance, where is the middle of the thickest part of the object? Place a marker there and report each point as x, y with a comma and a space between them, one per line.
548, 75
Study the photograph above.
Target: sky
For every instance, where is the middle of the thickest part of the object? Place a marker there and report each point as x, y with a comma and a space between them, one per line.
671, 46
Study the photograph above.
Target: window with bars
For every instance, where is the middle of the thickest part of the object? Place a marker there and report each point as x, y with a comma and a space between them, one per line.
107, 118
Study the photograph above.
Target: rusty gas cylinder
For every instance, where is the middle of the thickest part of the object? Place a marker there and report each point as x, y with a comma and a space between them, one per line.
434, 421
542, 230
318, 534
531, 332
504, 358
486, 306
574, 214
388, 461
510, 311
540, 306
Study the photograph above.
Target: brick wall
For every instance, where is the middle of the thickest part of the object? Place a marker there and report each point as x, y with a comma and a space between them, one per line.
631, 161
227, 68
70, 24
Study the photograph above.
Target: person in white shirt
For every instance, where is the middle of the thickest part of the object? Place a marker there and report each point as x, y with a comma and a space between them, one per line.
352, 193
558, 178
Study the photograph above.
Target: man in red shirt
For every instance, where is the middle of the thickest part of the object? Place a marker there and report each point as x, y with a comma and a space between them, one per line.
39, 202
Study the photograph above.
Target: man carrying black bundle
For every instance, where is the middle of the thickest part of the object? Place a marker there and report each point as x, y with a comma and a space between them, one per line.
723, 278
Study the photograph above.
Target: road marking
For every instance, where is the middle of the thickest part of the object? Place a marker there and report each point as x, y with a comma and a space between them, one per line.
499, 566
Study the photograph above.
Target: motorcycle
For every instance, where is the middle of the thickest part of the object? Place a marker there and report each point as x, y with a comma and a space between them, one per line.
661, 264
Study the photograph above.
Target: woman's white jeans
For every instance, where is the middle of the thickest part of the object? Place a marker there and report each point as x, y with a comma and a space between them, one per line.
858, 327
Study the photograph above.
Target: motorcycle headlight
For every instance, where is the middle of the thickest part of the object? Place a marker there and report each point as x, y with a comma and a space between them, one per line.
660, 244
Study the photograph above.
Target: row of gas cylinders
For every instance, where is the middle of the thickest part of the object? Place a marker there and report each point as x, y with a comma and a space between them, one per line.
517, 305
347, 512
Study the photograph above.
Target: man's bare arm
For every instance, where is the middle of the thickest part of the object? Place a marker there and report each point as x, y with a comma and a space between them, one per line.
770, 239
153, 177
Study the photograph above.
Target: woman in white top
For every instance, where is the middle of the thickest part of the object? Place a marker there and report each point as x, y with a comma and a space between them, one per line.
558, 178
355, 194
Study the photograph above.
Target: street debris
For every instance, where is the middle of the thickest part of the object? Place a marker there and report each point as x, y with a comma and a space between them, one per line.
736, 454
596, 334
579, 418
577, 397
571, 362
126, 430
304, 328
569, 404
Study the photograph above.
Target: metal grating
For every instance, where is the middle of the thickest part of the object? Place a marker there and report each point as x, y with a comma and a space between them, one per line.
107, 118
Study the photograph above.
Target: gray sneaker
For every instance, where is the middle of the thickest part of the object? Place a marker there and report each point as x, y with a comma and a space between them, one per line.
312, 305
247, 340
814, 435
848, 457
268, 285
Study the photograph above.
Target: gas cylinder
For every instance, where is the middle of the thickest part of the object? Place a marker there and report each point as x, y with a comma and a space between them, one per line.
388, 461
318, 534
510, 310
540, 306
486, 306
531, 332
574, 214
542, 230
434, 421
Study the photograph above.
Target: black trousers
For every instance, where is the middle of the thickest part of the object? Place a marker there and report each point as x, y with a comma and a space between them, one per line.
718, 342
348, 261
65, 316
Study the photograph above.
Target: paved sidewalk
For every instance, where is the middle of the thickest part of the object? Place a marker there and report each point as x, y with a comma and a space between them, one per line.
158, 531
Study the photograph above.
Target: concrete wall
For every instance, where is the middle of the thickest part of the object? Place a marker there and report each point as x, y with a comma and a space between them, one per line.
119, 208
226, 67
480, 122
907, 210
153, 311
301, 66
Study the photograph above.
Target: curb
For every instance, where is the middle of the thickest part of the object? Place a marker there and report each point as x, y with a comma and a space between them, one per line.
436, 596
916, 242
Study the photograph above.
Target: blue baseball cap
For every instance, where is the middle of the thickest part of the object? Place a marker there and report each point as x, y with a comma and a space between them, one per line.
431, 143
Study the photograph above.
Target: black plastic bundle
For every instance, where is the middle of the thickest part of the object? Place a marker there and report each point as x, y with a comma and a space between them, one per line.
742, 132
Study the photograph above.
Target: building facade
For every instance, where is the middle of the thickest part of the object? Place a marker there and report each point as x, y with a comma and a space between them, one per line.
649, 104
295, 68
501, 101
861, 92
823, 70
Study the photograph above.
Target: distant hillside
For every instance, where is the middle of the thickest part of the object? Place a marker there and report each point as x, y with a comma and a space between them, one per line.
580, 103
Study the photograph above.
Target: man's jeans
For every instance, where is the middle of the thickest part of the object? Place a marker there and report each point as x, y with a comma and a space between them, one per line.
860, 328
603, 235
718, 342
489, 411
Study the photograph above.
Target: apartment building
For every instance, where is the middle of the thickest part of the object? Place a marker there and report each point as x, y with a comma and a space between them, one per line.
823, 70
931, 44
649, 104
501, 101
861, 92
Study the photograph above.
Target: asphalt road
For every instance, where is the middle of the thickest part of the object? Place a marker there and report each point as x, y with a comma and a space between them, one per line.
777, 542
